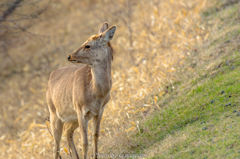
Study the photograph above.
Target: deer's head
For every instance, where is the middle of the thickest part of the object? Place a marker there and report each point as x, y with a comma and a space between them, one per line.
96, 49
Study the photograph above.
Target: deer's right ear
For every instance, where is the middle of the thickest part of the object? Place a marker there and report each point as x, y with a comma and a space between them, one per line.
108, 34
103, 28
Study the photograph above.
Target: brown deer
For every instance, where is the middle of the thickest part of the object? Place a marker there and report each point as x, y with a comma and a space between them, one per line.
77, 93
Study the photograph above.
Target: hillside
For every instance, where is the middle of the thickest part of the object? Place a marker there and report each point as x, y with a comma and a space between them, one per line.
200, 114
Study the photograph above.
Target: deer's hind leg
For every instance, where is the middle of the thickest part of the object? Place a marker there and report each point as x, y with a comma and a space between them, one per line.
69, 130
56, 125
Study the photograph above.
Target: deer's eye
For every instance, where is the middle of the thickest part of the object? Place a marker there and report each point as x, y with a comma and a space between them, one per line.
87, 46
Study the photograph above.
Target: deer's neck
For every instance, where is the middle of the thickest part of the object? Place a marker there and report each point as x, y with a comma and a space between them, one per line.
101, 78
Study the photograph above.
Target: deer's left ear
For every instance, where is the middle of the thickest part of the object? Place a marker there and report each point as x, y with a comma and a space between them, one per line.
108, 34
103, 28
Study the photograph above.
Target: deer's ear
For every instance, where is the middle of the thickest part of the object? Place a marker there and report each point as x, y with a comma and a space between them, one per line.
103, 28
108, 34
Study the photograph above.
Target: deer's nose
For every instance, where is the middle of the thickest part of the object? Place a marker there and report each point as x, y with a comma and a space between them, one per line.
69, 57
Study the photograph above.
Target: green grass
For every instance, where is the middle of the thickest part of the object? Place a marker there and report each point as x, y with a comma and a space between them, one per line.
202, 121
207, 113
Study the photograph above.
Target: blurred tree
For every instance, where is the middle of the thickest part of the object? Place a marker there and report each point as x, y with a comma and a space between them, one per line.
10, 10
17, 16
12, 21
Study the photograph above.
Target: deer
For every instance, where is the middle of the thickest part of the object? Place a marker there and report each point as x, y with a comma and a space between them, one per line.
79, 93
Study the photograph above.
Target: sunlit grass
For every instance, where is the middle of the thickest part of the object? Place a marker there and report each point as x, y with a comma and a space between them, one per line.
203, 122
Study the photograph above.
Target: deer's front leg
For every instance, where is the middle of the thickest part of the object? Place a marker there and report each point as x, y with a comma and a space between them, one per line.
96, 128
83, 125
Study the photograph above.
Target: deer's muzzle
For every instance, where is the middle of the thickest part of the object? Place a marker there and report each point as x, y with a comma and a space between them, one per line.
71, 59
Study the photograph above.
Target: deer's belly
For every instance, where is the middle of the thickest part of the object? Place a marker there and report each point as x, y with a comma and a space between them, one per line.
70, 118
70, 115
67, 113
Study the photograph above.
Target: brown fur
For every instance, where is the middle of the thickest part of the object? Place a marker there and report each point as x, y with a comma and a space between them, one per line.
78, 93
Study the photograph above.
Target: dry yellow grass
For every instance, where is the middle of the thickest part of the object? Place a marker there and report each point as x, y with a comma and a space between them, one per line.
163, 32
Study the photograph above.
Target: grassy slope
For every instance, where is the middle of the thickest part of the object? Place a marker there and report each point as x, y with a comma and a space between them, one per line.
201, 122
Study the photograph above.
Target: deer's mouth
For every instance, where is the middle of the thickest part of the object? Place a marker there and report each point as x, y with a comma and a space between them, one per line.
73, 61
